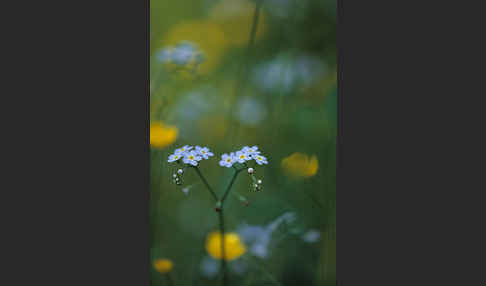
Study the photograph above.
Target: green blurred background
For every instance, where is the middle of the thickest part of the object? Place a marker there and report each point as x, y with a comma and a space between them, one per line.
279, 94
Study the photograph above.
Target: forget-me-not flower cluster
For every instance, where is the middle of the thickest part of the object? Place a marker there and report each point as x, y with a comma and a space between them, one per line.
190, 155
242, 156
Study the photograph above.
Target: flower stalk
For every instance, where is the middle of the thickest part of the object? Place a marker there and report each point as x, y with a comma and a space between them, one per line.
243, 69
168, 277
228, 189
236, 160
223, 256
219, 209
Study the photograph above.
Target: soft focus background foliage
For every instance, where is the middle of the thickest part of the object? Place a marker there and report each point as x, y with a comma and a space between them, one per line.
281, 96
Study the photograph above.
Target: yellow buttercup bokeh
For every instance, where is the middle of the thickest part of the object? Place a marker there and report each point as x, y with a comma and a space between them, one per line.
163, 265
234, 247
162, 135
299, 165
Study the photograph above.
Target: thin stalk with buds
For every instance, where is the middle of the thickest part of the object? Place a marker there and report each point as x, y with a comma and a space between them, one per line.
220, 210
238, 161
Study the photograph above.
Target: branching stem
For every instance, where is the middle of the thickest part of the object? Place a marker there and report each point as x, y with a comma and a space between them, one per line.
221, 216
228, 189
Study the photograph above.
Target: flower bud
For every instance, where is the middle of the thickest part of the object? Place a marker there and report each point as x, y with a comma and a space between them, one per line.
250, 170
259, 182
180, 171
174, 175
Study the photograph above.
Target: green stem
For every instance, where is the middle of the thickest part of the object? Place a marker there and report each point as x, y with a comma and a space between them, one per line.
206, 183
255, 24
221, 228
243, 70
224, 267
170, 282
228, 189
223, 256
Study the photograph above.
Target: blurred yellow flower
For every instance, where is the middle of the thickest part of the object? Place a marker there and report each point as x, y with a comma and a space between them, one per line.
299, 165
161, 135
206, 35
163, 265
234, 247
236, 20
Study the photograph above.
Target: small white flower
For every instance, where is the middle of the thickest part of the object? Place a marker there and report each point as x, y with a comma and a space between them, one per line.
183, 150
252, 151
174, 157
226, 160
242, 157
260, 159
250, 170
191, 157
204, 152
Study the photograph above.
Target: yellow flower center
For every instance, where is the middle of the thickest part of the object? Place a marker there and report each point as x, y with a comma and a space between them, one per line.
242, 156
191, 157
204, 152
228, 160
